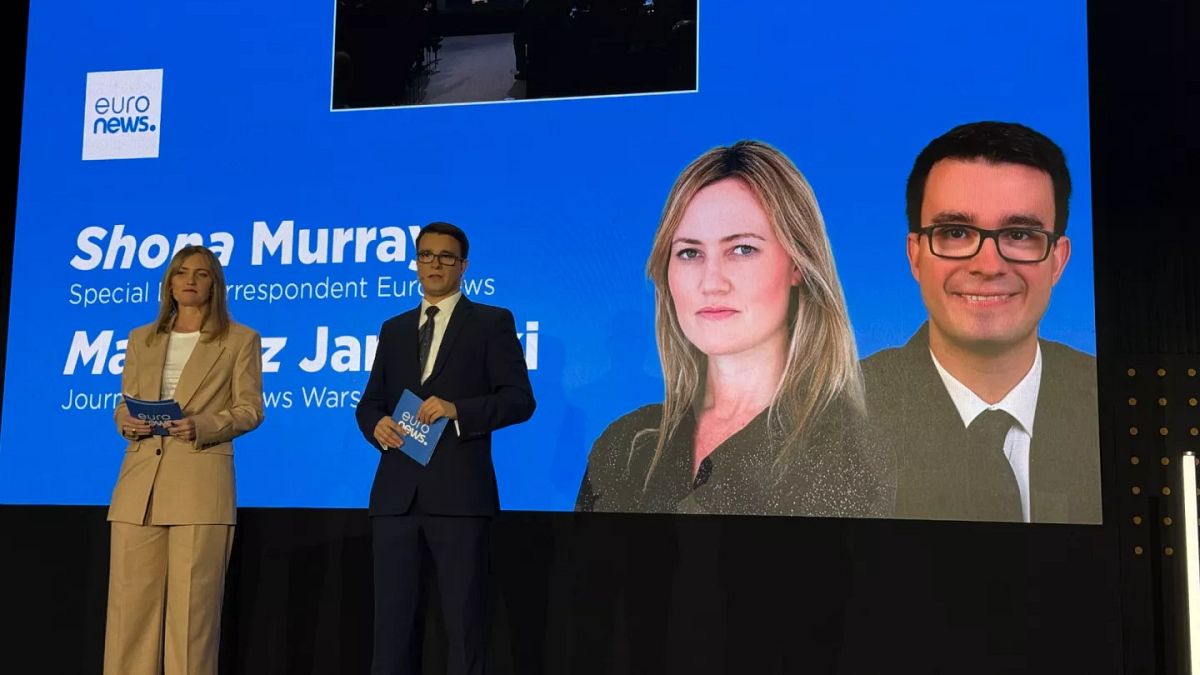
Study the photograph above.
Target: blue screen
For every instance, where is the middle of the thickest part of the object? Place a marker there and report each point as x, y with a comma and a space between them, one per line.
560, 198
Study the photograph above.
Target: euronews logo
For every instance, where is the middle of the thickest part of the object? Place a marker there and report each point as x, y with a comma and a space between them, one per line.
122, 114
128, 115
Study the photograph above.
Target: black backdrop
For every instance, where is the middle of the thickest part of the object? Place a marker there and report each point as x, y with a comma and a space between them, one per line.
601, 593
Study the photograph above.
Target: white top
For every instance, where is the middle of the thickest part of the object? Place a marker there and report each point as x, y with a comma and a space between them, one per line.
179, 348
1021, 403
440, 321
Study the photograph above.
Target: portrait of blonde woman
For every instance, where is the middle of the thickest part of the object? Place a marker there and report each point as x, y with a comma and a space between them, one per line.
763, 406
173, 508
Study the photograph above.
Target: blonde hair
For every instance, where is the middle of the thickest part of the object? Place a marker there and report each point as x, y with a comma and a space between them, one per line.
821, 363
216, 315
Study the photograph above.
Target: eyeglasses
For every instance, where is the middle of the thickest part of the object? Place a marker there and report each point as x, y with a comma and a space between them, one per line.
1015, 244
447, 259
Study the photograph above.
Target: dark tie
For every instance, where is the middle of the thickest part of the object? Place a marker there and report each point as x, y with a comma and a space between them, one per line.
425, 335
993, 487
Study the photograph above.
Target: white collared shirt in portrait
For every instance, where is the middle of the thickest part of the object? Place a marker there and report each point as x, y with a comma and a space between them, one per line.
1020, 402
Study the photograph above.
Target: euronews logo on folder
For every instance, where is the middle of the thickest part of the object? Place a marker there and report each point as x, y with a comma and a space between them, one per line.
122, 114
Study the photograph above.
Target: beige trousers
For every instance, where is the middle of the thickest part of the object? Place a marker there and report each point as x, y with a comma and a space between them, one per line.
165, 588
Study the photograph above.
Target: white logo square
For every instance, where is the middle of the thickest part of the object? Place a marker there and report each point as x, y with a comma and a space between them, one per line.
122, 114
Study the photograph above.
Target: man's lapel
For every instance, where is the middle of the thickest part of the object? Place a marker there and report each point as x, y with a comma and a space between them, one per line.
934, 468
1055, 466
458, 319
410, 348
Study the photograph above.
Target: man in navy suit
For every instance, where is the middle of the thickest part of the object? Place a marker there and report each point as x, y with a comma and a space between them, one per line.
464, 360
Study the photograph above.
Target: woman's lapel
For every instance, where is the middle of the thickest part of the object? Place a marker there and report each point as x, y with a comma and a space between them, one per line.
151, 361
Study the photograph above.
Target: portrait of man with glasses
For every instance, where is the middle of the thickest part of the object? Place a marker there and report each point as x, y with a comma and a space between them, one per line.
462, 358
988, 421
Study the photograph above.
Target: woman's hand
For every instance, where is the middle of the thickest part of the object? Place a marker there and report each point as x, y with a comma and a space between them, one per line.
133, 428
184, 429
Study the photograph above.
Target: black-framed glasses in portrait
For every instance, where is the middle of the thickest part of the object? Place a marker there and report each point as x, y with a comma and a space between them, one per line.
957, 241
447, 259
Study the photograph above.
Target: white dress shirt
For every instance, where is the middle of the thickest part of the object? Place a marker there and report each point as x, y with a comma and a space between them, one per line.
1021, 403
179, 350
440, 321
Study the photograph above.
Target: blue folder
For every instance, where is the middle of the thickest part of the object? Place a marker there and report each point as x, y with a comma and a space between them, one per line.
421, 438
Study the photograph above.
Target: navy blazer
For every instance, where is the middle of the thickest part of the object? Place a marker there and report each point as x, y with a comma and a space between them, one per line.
912, 409
480, 368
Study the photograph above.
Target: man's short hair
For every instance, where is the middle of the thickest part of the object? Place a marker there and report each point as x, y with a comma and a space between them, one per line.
994, 143
438, 227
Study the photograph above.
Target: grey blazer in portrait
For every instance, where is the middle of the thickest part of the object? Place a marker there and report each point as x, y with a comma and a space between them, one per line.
912, 410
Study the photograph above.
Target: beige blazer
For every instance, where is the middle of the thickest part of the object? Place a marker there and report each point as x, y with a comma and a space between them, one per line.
192, 483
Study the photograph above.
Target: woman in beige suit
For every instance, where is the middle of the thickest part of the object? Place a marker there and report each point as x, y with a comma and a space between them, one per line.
173, 509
